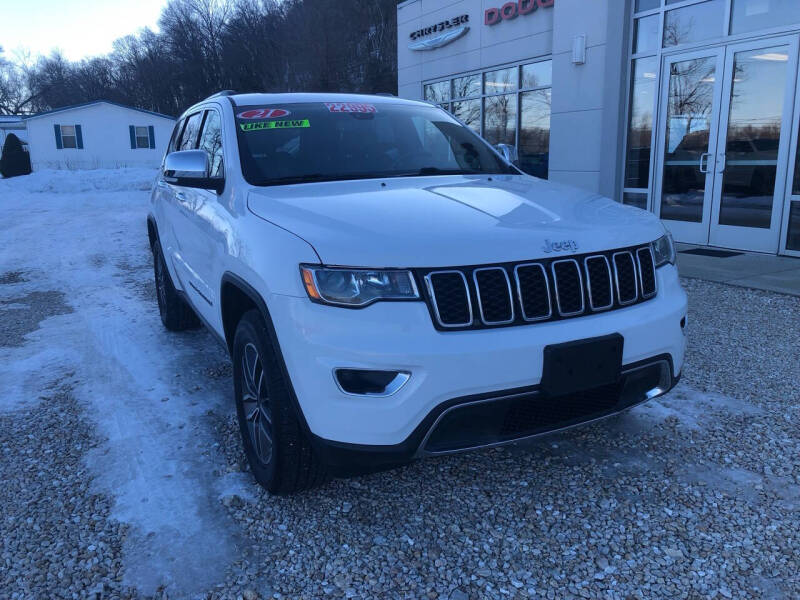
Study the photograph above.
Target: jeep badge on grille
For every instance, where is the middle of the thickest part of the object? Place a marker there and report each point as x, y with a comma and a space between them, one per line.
562, 246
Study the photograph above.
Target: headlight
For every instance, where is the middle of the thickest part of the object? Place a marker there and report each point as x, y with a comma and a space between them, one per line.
664, 250
357, 287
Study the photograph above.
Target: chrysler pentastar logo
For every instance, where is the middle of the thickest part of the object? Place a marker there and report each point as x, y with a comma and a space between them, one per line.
449, 30
560, 246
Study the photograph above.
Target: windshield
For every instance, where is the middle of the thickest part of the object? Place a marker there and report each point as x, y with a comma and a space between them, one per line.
326, 141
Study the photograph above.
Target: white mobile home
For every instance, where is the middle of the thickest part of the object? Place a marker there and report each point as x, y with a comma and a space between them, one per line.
97, 135
12, 124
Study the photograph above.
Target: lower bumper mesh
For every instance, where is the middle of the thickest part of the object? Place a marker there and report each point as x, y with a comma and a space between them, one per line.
498, 420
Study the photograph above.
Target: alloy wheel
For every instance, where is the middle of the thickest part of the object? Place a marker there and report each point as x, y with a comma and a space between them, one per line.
161, 283
256, 404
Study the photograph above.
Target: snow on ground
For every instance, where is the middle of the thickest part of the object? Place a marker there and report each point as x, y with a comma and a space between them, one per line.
83, 235
72, 182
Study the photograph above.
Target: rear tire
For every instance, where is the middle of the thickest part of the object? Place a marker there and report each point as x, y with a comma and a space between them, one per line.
277, 448
176, 314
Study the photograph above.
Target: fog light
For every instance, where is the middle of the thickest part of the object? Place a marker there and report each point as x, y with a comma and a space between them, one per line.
369, 382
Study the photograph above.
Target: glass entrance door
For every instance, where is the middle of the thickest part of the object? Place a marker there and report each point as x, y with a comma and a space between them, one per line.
726, 129
753, 147
690, 97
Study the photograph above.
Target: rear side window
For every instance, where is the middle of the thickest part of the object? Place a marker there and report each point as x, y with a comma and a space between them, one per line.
190, 132
211, 142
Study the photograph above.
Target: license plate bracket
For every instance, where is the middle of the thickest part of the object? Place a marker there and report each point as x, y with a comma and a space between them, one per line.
581, 365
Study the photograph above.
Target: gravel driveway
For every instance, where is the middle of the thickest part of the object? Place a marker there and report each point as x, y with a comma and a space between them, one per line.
123, 476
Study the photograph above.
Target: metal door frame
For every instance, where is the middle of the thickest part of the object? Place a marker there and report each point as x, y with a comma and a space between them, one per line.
684, 231
754, 238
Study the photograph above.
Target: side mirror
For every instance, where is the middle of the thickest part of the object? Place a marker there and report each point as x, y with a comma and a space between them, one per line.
509, 153
189, 168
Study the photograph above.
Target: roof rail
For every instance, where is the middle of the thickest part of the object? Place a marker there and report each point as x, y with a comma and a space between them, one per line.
222, 93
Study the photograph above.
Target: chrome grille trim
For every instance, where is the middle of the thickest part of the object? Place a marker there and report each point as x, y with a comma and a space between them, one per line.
631, 276
547, 290
478, 294
432, 294
649, 252
627, 254
589, 282
580, 286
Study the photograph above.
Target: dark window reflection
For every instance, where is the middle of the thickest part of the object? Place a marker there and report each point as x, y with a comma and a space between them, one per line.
694, 23
796, 179
793, 241
645, 34
689, 108
211, 142
503, 80
647, 4
464, 87
189, 138
754, 129
637, 199
752, 15
640, 124
537, 74
437, 92
534, 133
500, 119
469, 111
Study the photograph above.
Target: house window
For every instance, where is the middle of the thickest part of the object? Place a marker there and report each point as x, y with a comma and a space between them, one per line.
142, 137
68, 137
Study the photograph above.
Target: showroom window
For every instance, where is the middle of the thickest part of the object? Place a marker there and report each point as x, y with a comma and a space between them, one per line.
509, 105
658, 24
793, 226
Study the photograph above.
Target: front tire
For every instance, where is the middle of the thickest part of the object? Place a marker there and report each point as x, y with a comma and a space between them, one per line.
176, 314
278, 450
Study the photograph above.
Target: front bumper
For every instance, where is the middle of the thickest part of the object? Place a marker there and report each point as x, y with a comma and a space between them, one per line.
506, 417
447, 368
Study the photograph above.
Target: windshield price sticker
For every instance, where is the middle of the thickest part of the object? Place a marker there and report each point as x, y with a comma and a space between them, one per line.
350, 107
264, 113
262, 125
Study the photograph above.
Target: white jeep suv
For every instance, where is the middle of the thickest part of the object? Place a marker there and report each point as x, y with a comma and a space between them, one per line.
389, 287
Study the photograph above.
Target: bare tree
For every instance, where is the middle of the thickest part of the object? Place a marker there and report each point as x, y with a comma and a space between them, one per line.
207, 45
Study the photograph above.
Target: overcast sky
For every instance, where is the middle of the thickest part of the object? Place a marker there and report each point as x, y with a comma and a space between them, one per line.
79, 28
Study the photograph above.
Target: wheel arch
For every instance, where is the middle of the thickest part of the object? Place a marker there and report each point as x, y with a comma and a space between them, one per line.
236, 298
152, 230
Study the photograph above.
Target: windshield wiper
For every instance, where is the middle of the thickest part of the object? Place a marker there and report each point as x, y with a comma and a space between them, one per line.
438, 171
311, 178
307, 178
434, 171
317, 177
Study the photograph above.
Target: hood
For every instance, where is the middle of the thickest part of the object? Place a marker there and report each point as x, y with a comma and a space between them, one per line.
450, 221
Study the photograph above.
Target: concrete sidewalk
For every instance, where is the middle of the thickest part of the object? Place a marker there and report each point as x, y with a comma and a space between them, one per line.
747, 269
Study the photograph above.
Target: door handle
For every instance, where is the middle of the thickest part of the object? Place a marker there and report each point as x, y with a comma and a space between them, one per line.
721, 163
704, 162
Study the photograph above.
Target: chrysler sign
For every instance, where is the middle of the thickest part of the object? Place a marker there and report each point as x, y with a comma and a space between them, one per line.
511, 10
445, 32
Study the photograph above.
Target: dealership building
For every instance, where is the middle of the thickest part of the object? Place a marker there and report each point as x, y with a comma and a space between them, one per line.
686, 108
